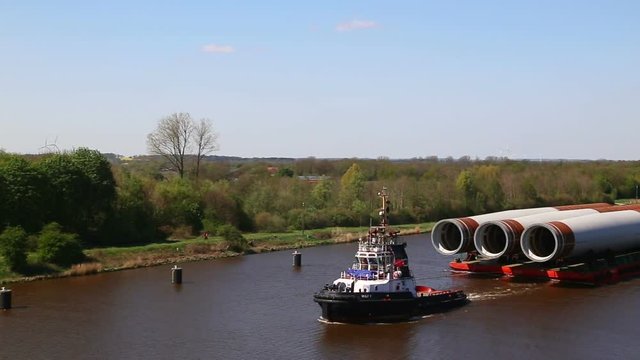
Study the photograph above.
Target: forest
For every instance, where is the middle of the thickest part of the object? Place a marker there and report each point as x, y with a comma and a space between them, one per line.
56, 204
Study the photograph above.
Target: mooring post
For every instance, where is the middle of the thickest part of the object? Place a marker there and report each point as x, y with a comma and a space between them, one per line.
297, 259
5, 299
176, 275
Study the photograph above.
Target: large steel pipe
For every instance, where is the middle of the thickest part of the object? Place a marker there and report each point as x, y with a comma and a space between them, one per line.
615, 231
454, 236
497, 238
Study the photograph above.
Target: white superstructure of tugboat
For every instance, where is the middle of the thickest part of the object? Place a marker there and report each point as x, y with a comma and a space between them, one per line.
379, 286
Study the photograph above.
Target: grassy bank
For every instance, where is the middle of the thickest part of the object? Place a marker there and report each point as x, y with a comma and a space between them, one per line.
194, 249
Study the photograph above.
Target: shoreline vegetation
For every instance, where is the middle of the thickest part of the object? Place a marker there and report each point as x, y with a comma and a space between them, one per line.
81, 212
108, 259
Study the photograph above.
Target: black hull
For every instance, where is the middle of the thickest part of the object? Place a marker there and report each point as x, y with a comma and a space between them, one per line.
383, 307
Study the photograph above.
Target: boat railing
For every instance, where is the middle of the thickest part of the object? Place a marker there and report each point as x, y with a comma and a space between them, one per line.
373, 276
373, 247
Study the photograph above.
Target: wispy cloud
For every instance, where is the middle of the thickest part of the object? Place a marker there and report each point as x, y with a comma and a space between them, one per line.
356, 24
220, 49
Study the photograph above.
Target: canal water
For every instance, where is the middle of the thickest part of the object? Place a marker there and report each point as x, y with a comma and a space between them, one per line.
260, 307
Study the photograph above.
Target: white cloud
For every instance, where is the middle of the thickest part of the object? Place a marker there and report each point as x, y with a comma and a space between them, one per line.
356, 25
222, 49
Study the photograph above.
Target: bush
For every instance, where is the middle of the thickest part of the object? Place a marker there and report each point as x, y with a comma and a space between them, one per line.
177, 203
57, 247
341, 217
233, 237
323, 235
402, 216
13, 247
269, 222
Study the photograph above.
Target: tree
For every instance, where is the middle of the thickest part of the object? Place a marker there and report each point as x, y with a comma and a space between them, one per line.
66, 193
23, 189
178, 204
3, 199
285, 172
220, 207
80, 192
465, 183
99, 200
321, 194
13, 247
57, 247
352, 186
132, 220
171, 139
206, 141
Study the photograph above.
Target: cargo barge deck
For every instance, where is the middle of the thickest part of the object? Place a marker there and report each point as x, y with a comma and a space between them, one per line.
594, 271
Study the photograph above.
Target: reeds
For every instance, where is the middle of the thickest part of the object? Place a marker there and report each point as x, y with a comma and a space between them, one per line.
84, 269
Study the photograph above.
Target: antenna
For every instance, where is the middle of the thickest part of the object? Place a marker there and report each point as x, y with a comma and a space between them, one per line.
385, 206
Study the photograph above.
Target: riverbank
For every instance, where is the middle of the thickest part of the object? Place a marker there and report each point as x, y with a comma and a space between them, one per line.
197, 249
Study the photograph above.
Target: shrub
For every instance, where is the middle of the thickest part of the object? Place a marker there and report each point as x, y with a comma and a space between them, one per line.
233, 237
13, 247
57, 247
323, 235
269, 222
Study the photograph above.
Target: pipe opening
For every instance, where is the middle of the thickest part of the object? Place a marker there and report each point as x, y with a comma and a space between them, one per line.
494, 240
447, 237
539, 243
451, 237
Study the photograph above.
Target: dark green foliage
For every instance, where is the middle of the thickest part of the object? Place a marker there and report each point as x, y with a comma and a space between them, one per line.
23, 189
340, 217
403, 216
177, 203
132, 220
81, 191
245, 222
313, 219
285, 172
233, 237
220, 207
67, 192
3, 201
13, 247
101, 191
58, 247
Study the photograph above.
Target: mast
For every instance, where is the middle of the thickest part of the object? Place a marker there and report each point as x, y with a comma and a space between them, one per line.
385, 207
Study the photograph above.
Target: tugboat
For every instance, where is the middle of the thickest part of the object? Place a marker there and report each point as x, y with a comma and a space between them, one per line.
379, 287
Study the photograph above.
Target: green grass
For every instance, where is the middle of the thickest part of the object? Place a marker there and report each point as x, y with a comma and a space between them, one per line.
314, 237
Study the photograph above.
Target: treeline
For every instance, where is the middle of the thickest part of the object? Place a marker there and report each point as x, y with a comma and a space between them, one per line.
52, 203
84, 197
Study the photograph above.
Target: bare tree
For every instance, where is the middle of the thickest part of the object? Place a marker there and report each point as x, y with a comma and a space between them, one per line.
206, 141
171, 139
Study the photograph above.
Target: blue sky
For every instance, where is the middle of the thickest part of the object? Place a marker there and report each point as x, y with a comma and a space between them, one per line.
344, 78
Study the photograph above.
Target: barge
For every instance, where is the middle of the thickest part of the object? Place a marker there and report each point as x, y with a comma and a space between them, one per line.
587, 270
